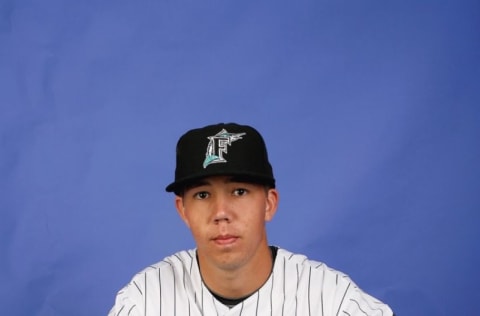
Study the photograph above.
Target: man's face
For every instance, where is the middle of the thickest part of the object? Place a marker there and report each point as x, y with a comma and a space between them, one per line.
227, 219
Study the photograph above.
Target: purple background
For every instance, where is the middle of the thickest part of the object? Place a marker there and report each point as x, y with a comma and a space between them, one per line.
370, 110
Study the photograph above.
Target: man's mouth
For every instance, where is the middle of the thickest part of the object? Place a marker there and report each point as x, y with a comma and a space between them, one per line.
225, 240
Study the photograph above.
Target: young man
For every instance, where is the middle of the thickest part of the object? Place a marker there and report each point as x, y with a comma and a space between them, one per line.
225, 193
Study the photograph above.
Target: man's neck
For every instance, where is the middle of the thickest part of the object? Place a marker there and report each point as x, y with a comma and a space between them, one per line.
232, 302
238, 283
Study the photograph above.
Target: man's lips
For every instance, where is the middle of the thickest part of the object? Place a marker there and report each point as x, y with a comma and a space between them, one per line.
225, 239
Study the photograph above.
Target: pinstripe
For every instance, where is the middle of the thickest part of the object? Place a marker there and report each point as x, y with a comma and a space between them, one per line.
174, 292
174, 287
121, 309
202, 298
190, 273
160, 291
309, 286
368, 304
271, 295
184, 280
138, 288
181, 264
360, 308
145, 296
343, 298
321, 291
296, 293
214, 304
191, 264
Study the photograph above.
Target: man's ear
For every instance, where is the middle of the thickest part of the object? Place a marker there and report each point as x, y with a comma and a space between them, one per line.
271, 204
180, 206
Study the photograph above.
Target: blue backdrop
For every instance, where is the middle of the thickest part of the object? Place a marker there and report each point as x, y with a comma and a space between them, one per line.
370, 110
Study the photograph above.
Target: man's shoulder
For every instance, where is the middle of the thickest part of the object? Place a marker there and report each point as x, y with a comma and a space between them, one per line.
179, 258
298, 259
302, 262
178, 261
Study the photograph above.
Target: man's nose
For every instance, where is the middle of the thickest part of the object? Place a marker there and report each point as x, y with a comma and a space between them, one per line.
221, 210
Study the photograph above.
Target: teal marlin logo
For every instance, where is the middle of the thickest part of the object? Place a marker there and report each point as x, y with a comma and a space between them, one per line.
218, 146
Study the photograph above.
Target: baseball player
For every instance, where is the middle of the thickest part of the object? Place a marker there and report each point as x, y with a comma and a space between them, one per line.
225, 193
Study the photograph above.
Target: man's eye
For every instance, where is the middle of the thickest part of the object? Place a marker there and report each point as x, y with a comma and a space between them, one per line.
201, 195
240, 192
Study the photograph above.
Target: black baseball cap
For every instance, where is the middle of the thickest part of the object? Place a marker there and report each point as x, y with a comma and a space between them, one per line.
221, 149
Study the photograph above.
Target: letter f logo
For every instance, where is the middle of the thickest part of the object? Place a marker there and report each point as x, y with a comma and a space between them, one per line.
218, 146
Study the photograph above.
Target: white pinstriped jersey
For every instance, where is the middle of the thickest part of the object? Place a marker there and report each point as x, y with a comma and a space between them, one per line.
297, 286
